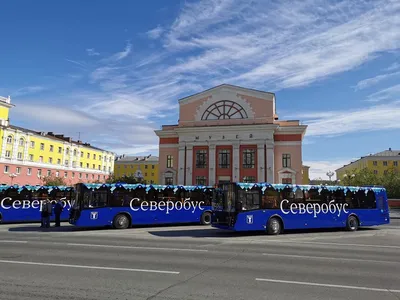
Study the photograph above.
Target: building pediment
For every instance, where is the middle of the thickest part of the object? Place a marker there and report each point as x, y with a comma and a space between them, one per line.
230, 89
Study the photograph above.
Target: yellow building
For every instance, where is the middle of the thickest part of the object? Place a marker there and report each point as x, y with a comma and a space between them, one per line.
27, 156
141, 167
305, 173
380, 163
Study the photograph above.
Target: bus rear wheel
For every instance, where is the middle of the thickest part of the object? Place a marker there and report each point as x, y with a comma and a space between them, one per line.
121, 221
274, 226
206, 218
352, 223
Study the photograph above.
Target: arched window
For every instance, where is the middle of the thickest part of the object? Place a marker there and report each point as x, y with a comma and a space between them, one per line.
9, 139
224, 109
21, 142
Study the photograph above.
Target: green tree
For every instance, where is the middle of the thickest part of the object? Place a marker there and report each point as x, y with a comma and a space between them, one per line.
52, 180
390, 180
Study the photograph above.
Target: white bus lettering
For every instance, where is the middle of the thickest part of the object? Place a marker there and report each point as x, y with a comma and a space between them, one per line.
16, 202
144, 203
332, 205
302, 208
153, 205
161, 205
291, 208
35, 204
287, 201
309, 206
186, 203
170, 206
26, 204
315, 210
201, 208
3, 205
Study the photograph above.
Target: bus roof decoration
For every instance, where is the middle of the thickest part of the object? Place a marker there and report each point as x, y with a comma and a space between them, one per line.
35, 188
331, 188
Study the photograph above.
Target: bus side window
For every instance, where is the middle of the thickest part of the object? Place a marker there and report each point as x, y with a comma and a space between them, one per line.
286, 194
367, 201
270, 199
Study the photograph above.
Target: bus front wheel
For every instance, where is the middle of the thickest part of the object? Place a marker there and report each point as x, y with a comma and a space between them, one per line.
352, 223
274, 226
206, 218
121, 221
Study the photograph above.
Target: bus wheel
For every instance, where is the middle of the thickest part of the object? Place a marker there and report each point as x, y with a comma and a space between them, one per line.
121, 222
206, 218
352, 223
274, 226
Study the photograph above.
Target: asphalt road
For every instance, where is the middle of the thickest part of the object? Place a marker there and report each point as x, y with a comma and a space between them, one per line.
196, 262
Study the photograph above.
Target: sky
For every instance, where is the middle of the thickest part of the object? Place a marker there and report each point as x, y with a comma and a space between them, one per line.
110, 73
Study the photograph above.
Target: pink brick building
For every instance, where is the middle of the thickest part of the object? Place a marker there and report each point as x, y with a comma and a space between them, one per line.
230, 133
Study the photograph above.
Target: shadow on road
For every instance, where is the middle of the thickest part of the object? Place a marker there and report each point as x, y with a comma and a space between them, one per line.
210, 232
32, 228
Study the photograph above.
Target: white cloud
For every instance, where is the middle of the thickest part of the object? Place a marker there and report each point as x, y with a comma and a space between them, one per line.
335, 123
256, 44
374, 80
59, 116
28, 90
121, 55
155, 33
284, 44
393, 67
392, 92
92, 52
319, 168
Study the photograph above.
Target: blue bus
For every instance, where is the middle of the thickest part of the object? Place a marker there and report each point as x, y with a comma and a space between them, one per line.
121, 206
20, 204
273, 208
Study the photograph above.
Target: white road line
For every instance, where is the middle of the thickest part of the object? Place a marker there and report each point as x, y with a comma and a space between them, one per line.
86, 267
330, 258
136, 247
11, 241
329, 285
338, 244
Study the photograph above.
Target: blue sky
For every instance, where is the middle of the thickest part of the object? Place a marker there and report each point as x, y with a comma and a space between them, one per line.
114, 71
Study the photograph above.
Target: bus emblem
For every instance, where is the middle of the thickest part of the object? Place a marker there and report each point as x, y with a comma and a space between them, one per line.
94, 215
249, 219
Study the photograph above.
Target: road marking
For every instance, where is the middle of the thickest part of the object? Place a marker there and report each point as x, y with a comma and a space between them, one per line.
329, 285
136, 247
338, 244
330, 258
11, 241
86, 267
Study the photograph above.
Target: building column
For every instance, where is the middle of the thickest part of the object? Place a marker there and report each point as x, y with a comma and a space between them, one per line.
26, 149
235, 163
14, 154
211, 166
260, 163
181, 165
270, 164
189, 164
4, 145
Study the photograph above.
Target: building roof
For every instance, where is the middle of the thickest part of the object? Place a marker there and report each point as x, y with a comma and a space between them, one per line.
56, 137
135, 159
226, 85
386, 153
389, 152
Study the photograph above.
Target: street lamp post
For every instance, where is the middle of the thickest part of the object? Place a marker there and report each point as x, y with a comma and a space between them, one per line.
12, 176
330, 174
